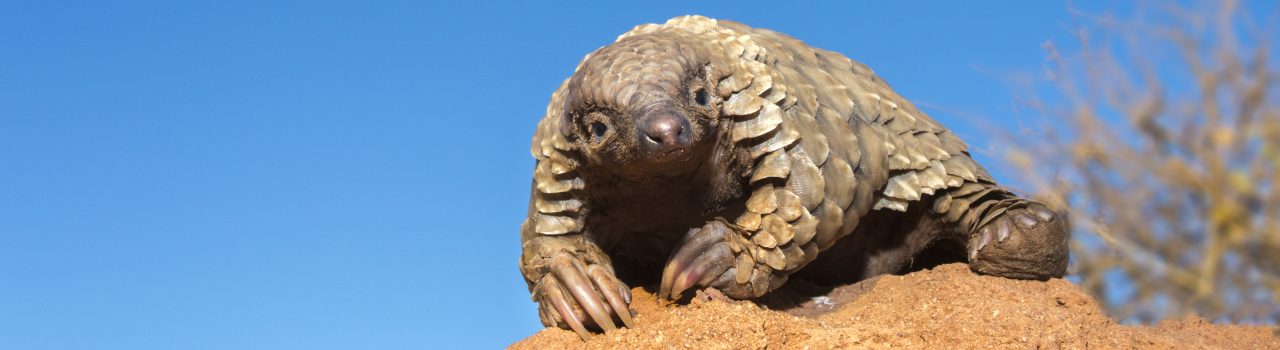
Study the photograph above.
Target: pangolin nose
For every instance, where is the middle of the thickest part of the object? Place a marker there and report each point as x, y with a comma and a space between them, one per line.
664, 132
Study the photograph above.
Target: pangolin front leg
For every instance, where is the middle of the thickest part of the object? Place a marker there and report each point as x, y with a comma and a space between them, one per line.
705, 257
573, 282
719, 255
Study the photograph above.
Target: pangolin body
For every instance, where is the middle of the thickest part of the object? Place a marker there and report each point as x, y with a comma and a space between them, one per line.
705, 153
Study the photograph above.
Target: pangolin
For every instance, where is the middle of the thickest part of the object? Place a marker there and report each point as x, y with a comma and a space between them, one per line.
704, 153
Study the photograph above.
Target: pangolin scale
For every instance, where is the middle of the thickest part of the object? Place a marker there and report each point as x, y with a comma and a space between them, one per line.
705, 153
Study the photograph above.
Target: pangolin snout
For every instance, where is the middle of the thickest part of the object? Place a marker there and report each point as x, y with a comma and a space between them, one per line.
664, 133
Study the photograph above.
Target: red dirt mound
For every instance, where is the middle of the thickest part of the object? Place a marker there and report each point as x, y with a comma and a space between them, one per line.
947, 307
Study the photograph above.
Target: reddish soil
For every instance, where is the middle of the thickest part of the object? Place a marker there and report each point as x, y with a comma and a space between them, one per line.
947, 307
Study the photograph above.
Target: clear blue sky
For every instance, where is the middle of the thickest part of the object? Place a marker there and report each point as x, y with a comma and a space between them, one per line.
324, 175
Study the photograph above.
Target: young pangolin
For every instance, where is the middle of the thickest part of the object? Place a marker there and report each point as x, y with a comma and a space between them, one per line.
703, 153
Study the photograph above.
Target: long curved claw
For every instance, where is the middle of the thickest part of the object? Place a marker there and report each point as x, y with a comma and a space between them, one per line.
692, 245
582, 289
702, 258
581, 296
561, 305
704, 268
689, 249
615, 294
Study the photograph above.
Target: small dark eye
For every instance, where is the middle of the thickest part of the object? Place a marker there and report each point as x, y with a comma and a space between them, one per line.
700, 97
598, 129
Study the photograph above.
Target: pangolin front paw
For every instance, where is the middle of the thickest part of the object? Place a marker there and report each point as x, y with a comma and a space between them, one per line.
577, 295
1027, 241
713, 255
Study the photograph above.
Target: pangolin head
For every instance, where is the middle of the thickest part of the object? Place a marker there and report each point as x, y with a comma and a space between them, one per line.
646, 103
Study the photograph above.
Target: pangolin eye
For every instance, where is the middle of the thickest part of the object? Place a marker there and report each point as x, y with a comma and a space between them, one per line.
700, 96
598, 130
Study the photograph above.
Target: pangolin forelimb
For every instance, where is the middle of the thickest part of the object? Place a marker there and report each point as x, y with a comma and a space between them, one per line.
719, 255
574, 285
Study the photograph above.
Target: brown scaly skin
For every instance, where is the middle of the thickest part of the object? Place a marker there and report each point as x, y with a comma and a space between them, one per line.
704, 153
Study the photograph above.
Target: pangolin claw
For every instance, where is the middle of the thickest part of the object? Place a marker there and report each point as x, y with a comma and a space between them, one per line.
577, 297
575, 278
562, 309
618, 297
704, 259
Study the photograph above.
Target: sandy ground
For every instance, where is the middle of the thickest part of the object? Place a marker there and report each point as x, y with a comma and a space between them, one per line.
947, 307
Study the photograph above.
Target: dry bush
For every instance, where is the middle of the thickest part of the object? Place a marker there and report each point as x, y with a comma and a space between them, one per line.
1162, 134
